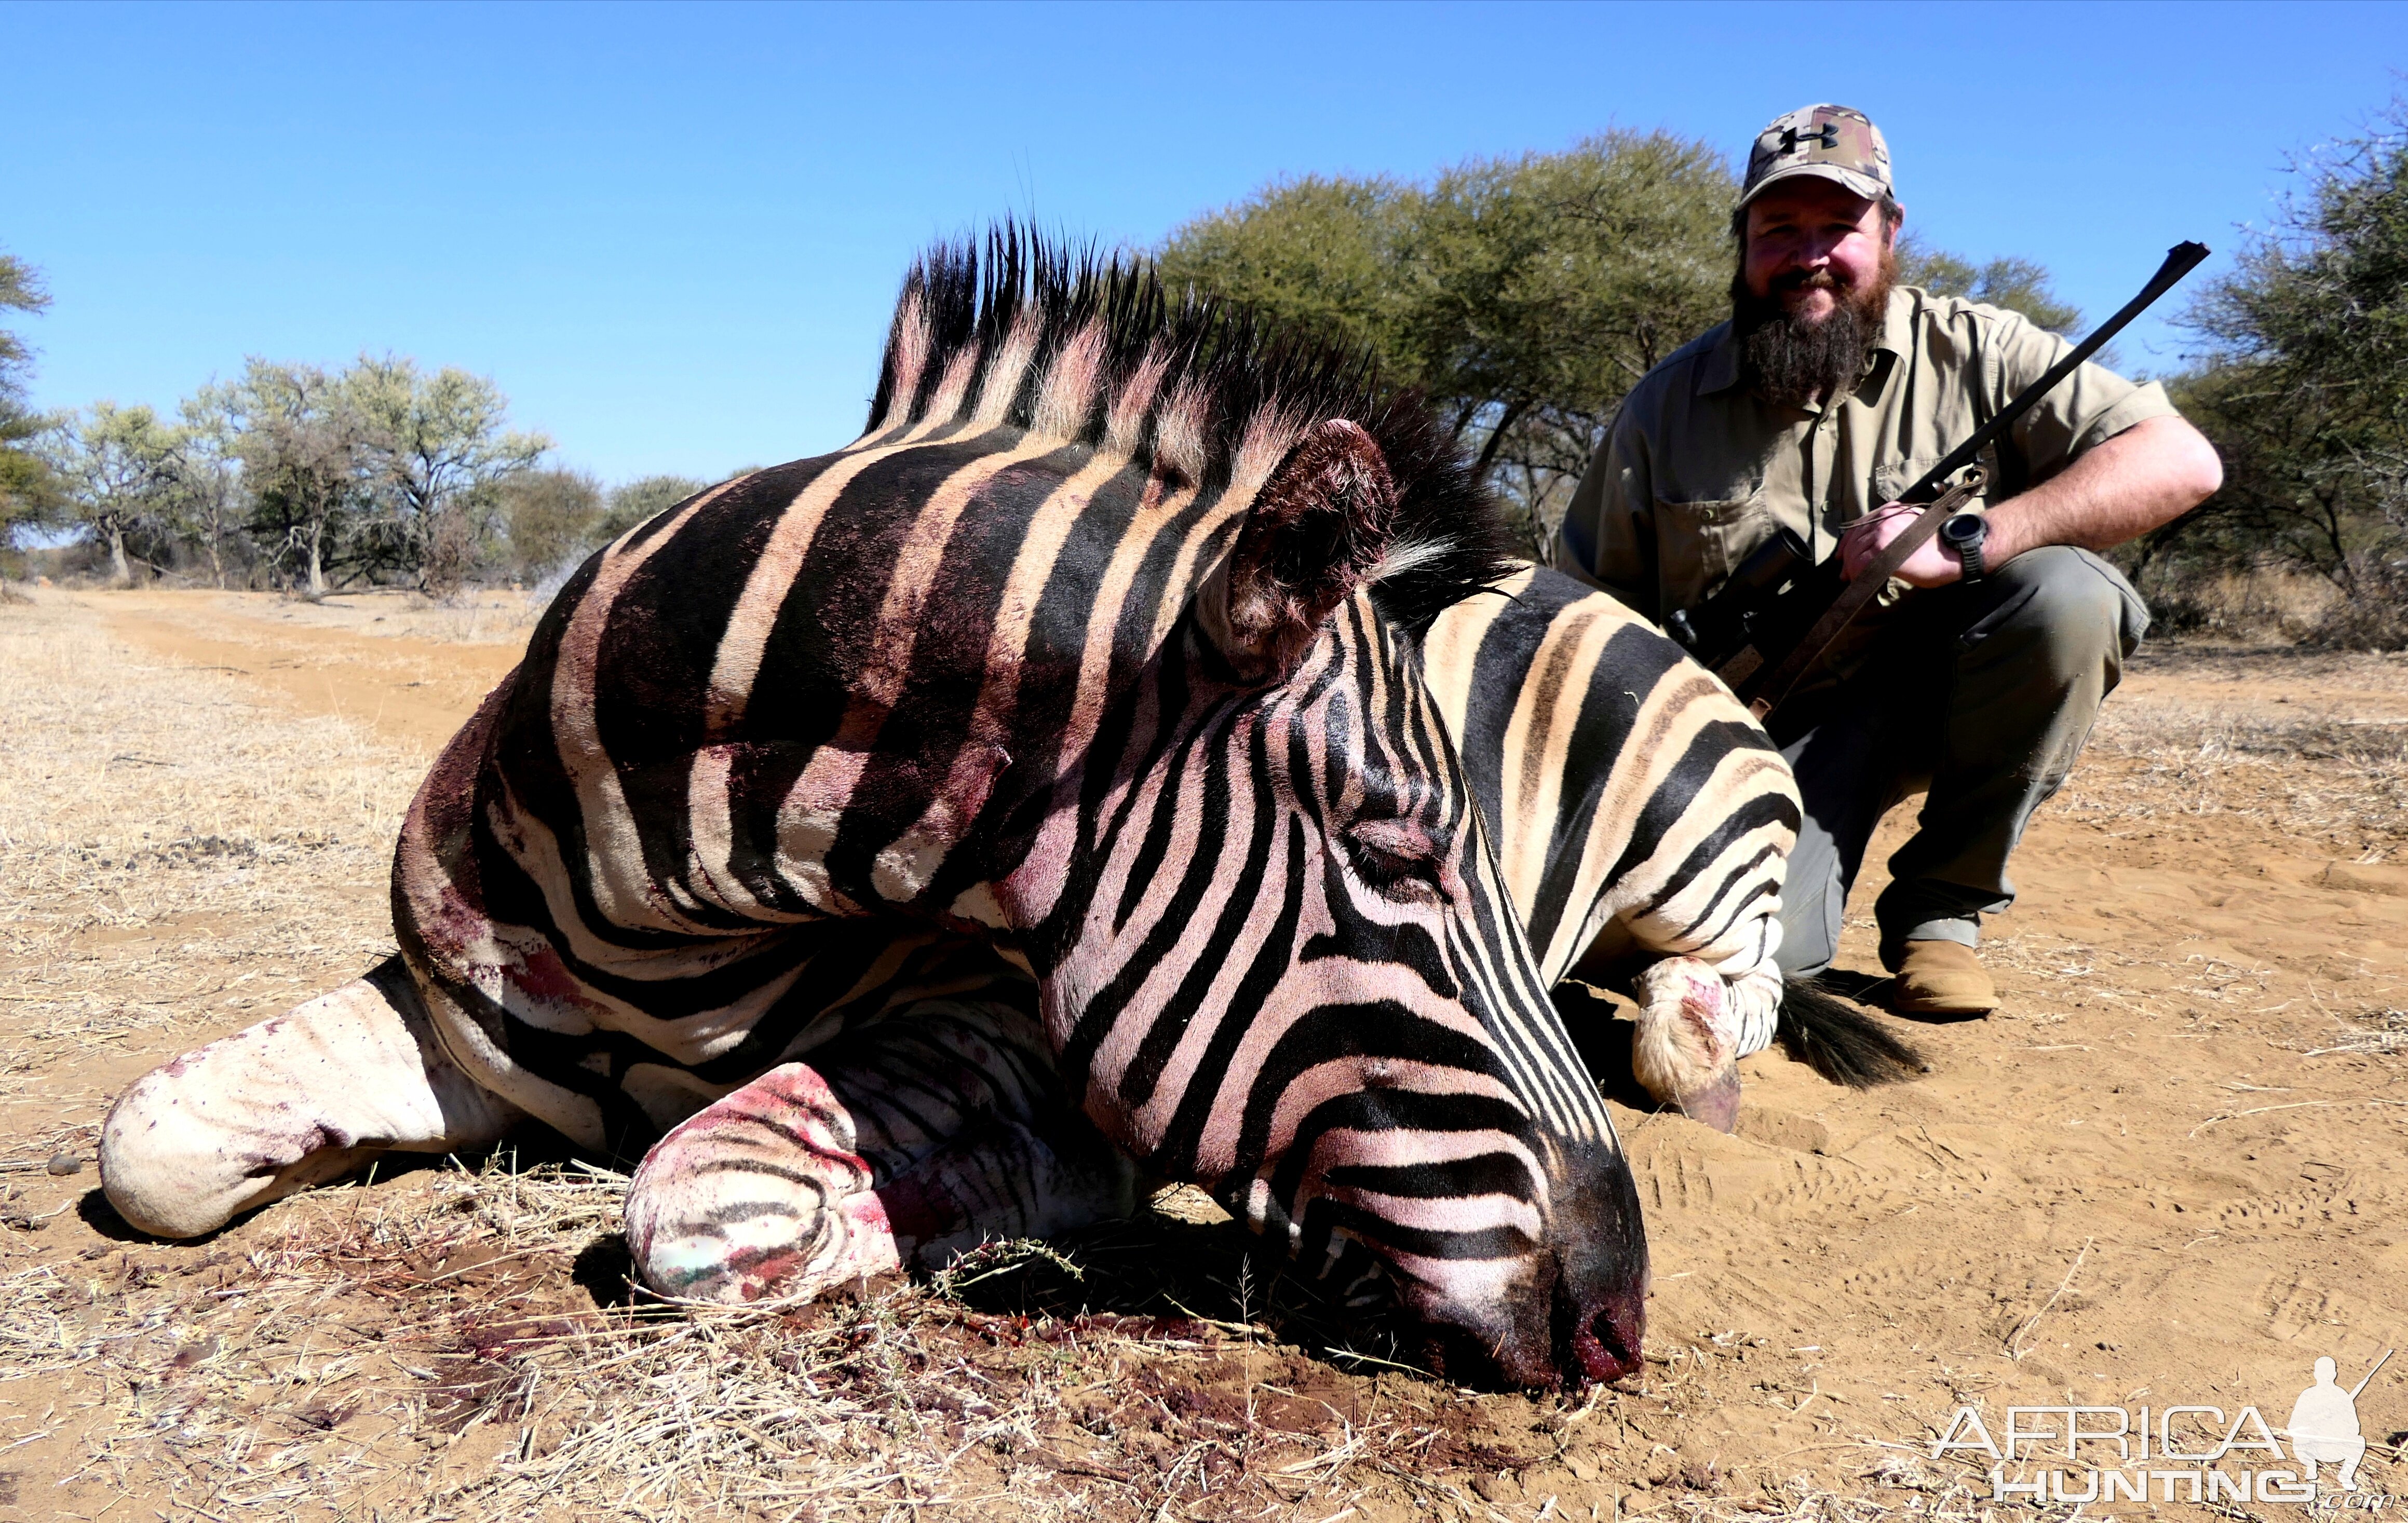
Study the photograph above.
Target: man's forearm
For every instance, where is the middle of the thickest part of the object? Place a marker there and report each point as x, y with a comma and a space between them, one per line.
2121, 488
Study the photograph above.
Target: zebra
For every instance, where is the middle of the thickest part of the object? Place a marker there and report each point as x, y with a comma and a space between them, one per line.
1643, 844
1644, 822
1057, 749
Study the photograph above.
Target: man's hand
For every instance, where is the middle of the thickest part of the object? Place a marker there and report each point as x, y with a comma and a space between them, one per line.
2121, 487
1932, 564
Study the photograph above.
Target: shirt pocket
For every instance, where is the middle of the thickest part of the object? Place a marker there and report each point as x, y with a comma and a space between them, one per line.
1697, 544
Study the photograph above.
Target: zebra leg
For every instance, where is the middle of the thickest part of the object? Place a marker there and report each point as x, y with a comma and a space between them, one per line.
293, 1102
940, 1127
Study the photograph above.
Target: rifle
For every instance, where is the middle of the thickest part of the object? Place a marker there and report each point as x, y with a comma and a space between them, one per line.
1779, 602
2358, 1389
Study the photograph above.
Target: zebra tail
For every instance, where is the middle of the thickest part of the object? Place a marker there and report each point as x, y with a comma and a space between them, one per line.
1839, 1040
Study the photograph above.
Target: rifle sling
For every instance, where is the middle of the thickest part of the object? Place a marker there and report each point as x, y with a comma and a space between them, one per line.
1768, 693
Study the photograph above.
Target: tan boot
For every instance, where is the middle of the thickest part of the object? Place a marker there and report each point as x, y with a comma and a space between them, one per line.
1941, 978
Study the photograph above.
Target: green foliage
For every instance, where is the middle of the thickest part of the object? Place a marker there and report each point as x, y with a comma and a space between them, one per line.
21, 291
2302, 384
300, 444
435, 455
120, 468
29, 491
1525, 295
207, 501
631, 503
381, 471
2019, 285
551, 517
1325, 255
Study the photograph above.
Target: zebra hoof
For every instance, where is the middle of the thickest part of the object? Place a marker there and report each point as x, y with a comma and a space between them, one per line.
1685, 1051
1716, 1104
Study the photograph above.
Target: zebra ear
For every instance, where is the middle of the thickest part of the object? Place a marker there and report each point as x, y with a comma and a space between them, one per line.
1316, 529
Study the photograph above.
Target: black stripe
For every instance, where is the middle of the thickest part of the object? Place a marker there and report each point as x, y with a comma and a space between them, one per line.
1439, 1179
1384, 1029
1206, 870
1364, 1225
1273, 957
1747, 872
1758, 812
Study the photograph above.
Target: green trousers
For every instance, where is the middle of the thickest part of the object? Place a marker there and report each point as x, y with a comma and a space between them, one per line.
1978, 697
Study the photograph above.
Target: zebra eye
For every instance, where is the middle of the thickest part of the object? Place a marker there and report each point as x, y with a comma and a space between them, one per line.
1397, 858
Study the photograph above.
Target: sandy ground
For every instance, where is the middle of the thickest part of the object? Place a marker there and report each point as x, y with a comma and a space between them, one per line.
2167, 1171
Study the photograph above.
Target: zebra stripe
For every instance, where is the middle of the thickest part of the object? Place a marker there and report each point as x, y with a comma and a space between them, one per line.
1094, 661
1640, 813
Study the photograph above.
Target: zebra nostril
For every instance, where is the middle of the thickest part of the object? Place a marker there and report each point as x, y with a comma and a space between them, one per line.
1598, 1330
1607, 1345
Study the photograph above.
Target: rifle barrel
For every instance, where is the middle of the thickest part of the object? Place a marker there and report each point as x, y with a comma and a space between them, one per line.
2180, 260
2371, 1374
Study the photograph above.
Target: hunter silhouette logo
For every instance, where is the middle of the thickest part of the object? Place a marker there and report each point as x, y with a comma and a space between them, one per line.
2324, 1424
2173, 1448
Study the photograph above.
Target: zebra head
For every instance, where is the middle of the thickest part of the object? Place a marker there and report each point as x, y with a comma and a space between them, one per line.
1177, 757
1279, 958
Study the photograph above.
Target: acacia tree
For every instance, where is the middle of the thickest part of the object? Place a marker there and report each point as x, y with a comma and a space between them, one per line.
2020, 285
2302, 384
298, 442
1323, 255
435, 451
1555, 282
632, 501
206, 500
120, 468
1526, 295
550, 516
28, 489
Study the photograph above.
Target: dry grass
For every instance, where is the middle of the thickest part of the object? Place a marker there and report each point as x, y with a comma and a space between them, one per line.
171, 853
2377, 1033
473, 616
2328, 772
459, 1344
2263, 606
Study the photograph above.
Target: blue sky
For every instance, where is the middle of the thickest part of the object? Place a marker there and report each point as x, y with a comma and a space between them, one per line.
672, 234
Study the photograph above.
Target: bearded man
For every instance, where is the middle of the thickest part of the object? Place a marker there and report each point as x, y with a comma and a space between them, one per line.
1975, 678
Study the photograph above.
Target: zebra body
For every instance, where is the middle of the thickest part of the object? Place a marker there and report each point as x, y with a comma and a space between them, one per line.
1094, 657
1642, 836
1637, 804
1644, 822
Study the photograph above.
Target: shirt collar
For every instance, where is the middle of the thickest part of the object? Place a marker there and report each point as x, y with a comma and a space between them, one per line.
1898, 324
1718, 369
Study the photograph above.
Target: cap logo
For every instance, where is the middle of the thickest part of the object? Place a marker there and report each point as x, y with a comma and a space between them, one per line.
1827, 135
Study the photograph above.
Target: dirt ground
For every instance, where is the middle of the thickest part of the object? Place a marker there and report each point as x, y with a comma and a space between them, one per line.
2168, 1171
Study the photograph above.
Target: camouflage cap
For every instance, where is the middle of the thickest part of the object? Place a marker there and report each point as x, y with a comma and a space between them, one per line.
1830, 142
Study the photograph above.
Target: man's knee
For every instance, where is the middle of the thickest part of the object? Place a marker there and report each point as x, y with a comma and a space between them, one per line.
295, 1100
2071, 609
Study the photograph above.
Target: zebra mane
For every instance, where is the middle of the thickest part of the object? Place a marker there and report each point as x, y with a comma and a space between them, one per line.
1091, 349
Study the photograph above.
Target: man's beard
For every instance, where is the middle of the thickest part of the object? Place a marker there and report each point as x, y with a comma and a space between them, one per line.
1796, 361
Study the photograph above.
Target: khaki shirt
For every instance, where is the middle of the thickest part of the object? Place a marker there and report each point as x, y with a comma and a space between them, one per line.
1699, 469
